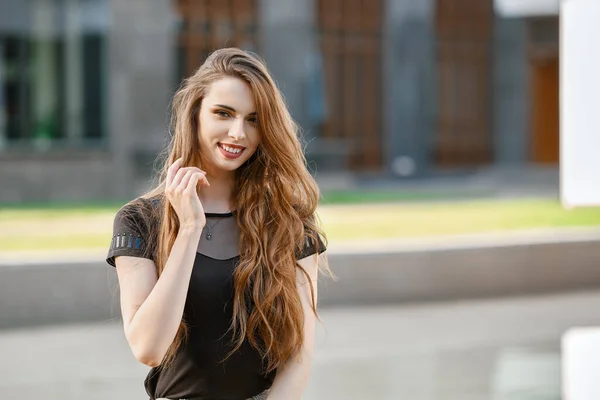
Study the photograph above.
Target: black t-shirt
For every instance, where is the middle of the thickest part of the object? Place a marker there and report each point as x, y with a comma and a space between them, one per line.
198, 371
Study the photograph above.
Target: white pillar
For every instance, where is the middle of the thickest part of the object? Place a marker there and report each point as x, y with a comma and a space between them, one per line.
579, 91
580, 364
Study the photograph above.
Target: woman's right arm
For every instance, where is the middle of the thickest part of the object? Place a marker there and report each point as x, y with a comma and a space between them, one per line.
152, 307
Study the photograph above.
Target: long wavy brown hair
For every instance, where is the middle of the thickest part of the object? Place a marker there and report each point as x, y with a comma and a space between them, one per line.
275, 197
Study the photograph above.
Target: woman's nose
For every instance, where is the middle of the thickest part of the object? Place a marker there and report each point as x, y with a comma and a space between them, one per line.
237, 129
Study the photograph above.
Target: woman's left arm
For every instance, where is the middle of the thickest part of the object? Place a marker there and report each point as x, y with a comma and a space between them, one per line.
291, 379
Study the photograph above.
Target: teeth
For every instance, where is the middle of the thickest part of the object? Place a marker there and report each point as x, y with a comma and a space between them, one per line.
231, 149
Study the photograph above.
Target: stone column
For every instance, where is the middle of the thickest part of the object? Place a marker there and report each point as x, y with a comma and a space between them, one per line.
74, 70
288, 43
142, 79
510, 85
408, 85
44, 30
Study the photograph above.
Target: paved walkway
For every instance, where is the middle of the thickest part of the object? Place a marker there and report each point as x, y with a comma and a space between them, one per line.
498, 350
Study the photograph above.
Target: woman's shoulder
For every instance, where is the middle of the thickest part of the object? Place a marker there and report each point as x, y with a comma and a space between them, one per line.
139, 211
135, 226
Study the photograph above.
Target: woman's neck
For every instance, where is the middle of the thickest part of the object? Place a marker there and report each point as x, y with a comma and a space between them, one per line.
216, 197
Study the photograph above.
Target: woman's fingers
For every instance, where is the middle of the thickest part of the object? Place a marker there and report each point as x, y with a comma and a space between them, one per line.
184, 180
191, 186
201, 179
183, 175
183, 195
173, 170
178, 177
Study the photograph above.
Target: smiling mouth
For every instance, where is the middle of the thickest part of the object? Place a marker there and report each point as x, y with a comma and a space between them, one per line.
231, 151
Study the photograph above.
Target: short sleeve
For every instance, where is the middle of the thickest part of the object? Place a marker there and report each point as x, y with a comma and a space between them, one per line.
309, 248
130, 234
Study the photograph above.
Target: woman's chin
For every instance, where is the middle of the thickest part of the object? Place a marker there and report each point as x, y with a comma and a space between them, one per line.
231, 164
228, 165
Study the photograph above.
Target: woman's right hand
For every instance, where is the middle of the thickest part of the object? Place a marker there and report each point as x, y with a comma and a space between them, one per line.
181, 192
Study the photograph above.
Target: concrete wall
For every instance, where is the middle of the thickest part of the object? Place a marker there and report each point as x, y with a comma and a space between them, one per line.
57, 176
141, 77
38, 294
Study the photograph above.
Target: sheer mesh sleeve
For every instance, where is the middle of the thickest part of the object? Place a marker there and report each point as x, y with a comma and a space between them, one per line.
130, 233
309, 248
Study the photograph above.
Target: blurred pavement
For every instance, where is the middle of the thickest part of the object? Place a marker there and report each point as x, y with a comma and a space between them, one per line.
472, 350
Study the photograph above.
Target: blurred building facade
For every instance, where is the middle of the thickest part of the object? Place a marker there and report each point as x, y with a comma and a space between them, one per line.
397, 87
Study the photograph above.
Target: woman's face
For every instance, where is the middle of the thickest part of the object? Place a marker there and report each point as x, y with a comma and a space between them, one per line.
228, 131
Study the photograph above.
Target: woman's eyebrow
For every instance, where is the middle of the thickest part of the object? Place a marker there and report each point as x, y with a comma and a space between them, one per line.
231, 108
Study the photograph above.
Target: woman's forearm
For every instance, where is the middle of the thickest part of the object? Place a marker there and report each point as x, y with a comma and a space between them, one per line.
154, 326
291, 379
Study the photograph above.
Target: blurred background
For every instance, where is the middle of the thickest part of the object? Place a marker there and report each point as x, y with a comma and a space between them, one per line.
431, 126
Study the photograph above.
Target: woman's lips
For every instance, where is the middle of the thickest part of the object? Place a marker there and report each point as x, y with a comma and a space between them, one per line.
228, 154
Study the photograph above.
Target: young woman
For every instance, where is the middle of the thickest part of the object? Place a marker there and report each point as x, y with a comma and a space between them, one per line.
218, 264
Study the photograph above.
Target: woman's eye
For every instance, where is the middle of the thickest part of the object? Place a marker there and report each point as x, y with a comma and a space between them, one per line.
222, 114
252, 120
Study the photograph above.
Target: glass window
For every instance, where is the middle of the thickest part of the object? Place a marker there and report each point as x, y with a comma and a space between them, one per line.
52, 73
